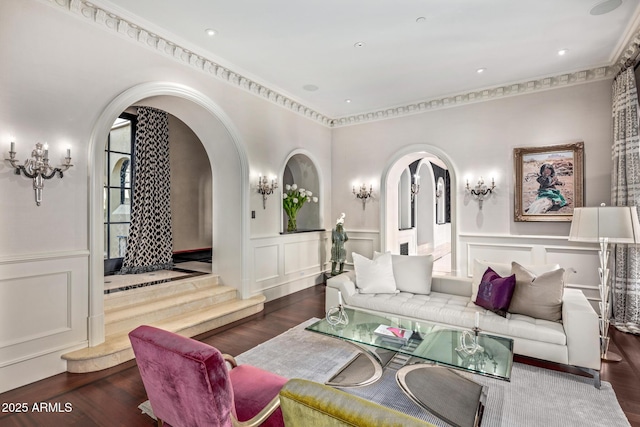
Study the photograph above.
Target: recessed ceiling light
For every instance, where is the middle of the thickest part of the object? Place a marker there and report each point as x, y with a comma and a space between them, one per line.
562, 52
605, 7
359, 44
310, 88
481, 70
420, 19
348, 101
210, 32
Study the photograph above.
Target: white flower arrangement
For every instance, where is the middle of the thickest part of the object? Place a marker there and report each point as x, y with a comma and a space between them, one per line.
293, 199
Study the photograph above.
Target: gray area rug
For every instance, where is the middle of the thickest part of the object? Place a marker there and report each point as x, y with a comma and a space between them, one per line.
534, 397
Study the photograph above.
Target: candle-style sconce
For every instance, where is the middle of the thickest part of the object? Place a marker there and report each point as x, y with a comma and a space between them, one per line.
415, 186
363, 194
265, 188
480, 191
37, 167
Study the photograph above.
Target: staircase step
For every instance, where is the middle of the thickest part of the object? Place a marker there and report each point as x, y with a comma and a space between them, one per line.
143, 294
126, 317
117, 349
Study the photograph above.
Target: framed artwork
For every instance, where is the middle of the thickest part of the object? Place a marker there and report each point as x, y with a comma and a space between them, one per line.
548, 182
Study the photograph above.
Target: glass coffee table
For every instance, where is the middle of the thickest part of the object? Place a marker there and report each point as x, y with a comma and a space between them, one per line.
430, 356
429, 343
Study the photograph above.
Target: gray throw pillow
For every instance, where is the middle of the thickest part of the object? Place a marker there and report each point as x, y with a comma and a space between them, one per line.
537, 296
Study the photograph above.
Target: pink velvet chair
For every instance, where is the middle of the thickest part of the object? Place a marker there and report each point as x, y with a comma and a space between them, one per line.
189, 384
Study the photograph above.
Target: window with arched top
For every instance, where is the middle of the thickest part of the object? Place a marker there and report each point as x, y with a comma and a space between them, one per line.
301, 173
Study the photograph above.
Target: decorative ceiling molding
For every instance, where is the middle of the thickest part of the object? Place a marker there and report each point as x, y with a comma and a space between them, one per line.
168, 48
630, 53
569, 79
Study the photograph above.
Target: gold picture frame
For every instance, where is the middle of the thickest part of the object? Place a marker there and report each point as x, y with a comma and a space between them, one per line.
548, 182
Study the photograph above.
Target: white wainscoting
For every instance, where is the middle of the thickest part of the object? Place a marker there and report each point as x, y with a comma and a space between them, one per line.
288, 263
43, 315
580, 257
291, 262
363, 242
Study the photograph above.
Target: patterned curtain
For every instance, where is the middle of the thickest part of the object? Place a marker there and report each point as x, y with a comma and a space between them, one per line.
150, 243
625, 184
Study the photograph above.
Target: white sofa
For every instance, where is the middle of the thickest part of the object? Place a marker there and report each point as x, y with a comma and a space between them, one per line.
573, 341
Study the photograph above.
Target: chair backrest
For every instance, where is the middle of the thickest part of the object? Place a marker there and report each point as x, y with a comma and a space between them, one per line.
306, 402
186, 380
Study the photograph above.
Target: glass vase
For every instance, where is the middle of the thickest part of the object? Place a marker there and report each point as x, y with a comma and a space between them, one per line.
291, 224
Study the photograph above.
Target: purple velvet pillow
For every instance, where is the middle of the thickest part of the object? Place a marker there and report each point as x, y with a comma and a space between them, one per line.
495, 292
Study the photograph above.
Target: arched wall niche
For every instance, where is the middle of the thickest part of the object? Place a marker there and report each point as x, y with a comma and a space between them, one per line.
230, 183
300, 168
389, 188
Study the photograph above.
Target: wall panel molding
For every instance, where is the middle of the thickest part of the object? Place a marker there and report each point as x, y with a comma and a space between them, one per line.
49, 297
45, 303
265, 262
287, 261
579, 260
44, 256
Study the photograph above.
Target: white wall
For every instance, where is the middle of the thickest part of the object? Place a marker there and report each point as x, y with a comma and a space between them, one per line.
60, 72
191, 191
479, 140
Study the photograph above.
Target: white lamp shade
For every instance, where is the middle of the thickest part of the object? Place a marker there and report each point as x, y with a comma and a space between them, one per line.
616, 224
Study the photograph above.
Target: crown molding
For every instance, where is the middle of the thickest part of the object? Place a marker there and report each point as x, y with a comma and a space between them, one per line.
631, 52
136, 33
125, 28
481, 95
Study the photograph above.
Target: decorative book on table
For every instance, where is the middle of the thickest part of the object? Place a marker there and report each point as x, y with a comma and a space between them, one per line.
393, 333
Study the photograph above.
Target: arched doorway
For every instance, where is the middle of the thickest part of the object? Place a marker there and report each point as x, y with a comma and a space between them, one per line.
391, 186
230, 184
190, 190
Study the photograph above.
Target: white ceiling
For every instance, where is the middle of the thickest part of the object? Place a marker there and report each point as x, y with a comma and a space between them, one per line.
289, 44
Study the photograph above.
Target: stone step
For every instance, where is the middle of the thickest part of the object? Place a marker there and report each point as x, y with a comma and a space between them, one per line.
127, 317
142, 294
117, 349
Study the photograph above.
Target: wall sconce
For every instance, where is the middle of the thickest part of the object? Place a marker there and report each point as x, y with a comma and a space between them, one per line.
415, 187
265, 188
480, 191
37, 167
363, 193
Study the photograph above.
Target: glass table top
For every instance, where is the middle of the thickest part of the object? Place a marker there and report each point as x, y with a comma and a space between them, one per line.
487, 355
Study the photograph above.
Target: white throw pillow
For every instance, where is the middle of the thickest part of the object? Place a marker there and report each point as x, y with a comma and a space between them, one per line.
412, 272
503, 269
374, 276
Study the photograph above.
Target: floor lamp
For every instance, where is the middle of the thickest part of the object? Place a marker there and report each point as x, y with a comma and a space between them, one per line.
604, 225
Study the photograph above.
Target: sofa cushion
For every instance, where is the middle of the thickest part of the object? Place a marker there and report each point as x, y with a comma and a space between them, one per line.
439, 307
413, 273
495, 291
521, 326
460, 312
538, 296
374, 276
503, 269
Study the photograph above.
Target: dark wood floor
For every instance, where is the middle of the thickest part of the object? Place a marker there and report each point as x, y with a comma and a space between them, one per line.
111, 397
